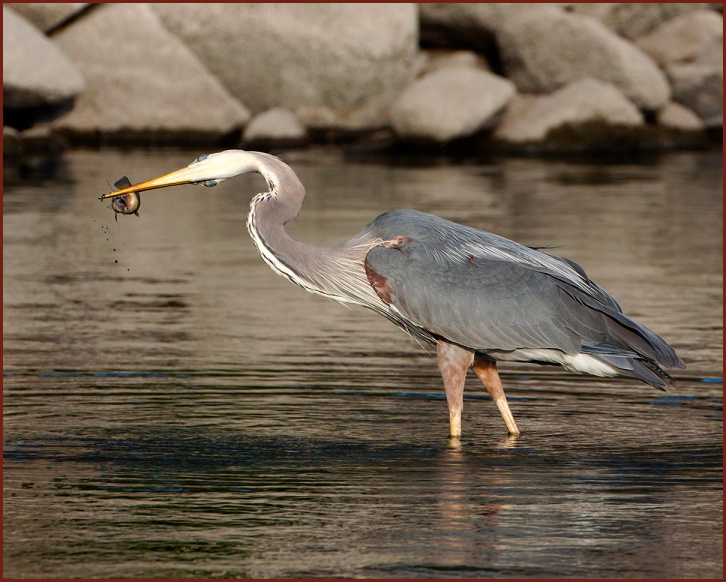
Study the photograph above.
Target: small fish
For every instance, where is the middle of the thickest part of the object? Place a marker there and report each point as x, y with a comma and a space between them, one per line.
126, 204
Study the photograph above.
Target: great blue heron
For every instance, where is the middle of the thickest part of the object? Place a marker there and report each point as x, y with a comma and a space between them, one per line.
478, 297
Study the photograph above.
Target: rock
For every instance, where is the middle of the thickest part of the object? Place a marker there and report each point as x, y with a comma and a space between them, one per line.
632, 20
675, 116
698, 86
40, 140
439, 59
276, 127
464, 25
712, 54
450, 103
30, 154
334, 65
715, 123
35, 154
48, 15
543, 51
142, 79
580, 103
35, 72
10, 141
684, 37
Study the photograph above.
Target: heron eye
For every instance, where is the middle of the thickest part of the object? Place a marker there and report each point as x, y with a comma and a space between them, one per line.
200, 158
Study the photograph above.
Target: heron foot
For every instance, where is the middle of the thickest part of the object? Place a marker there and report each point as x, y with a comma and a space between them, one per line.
510, 442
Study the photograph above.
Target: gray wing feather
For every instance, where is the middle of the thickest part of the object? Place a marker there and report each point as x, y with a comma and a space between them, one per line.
448, 241
487, 292
484, 304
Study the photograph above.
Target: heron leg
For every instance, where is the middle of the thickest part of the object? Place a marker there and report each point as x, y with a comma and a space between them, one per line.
454, 362
486, 371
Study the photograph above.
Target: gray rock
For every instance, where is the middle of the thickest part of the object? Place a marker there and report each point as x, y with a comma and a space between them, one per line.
464, 25
676, 116
582, 102
684, 37
715, 123
442, 58
40, 140
276, 126
450, 103
698, 86
632, 20
35, 72
333, 65
543, 51
10, 141
47, 15
141, 78
712, 54
30, 153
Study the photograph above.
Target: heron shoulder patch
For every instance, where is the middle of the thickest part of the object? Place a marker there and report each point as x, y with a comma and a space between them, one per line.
379, 283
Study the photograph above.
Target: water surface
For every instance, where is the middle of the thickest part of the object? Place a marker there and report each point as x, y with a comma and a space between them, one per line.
172, 408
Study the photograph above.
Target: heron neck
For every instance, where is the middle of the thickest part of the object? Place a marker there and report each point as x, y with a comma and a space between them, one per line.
335, 271
269, 213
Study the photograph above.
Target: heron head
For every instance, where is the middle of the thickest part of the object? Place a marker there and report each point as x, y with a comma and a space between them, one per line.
208, 170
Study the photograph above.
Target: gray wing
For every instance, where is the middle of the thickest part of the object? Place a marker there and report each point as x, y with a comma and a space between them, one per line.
489, 293
481, 303
443, 240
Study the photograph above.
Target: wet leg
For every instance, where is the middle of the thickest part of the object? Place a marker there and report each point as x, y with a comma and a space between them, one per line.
454, 362
486, 371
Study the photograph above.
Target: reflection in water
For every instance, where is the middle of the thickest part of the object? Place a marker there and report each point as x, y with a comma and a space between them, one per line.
175, 409
510, 442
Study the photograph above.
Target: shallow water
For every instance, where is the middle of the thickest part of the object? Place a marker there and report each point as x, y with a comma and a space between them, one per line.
172, 408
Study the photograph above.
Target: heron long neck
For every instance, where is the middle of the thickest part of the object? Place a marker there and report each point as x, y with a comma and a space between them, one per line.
336, 272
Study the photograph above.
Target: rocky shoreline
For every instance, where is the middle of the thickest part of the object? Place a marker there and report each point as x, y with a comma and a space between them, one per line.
518, 78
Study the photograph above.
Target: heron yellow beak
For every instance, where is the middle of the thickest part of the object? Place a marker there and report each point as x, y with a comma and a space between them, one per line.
188, 175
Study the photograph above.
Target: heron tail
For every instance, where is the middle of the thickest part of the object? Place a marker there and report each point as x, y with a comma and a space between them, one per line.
632, 364
625, 336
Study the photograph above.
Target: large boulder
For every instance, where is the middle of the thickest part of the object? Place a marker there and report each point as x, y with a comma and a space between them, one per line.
580, 104
36, 74
48, 15
141, 78
684, 37
698, 86
545, 50
432, 59
450, 103
698, 83
469, 25
276, 127
333, 65
676, 116
712, 54
632, 20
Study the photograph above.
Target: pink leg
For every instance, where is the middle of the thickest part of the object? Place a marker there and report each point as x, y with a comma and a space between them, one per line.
486, 371
454, 362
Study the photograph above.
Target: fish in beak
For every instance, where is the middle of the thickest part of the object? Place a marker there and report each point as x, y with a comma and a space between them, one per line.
125, 204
